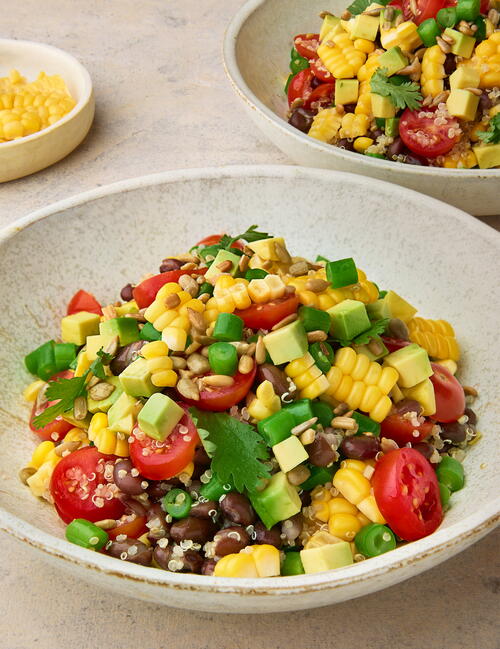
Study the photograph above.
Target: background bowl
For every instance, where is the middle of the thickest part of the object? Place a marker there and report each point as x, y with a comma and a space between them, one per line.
257, 53
26, 155
440, 258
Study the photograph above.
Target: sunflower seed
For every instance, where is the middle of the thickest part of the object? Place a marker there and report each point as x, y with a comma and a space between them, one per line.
316, 336
260, 351
317, 285
188, 389
101, 391
80, 408
26, 473
282, 323
245, 365
189, 285
218, 380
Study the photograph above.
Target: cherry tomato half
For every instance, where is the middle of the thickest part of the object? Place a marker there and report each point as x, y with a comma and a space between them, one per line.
425, 9
220, 399
265, 316
162, 460
83, 301
56, 429
401, 430
306, 45
80, 490
300, 86
134, 529
320, 97
393, 344
320, 72
145, 292
407, 493
422, 136
212, 239
450, 397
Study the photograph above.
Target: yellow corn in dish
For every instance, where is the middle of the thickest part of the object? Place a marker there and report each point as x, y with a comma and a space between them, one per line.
28, 107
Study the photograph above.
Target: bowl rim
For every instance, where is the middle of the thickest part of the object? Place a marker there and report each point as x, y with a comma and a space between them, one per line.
239, 84
441, 543
80, 104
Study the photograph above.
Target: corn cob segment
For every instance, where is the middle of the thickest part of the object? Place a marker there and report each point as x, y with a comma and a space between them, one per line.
487, 61
364, 291
307, 376
106, 440
365, 73
326, 125
340, 57
354, 125
404, 35
433, 71
437, 337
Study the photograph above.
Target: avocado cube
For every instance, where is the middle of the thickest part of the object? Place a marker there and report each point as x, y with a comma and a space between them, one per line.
423, 392
365, 27
126, 329
463, 45
277, 502
127, 307
77, 423
393, 60
327, 557
392, 126
378, 310
374, 350
462, 103
96, 343
76, 327
105, 404
122, 414
159, 416
346, 91
287, 344
223, 255
329, 23
398, 307
465, 77
488, 155
290, 453
349, 318
412, 364
382, 106
136, 379
266, 248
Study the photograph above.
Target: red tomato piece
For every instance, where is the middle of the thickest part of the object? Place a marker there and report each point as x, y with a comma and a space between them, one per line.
300, 86
145, 292
307, 45
407, 493
401, 430
425, 9
484, 8
425, 138
265, 316
220, 399
320, 72
83, 301
212, 239
450, 397
134, 529
320, 97
162, 460
80, 489
393, 344
57, 429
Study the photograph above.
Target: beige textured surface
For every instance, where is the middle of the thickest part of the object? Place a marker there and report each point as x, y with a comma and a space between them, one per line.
161, 106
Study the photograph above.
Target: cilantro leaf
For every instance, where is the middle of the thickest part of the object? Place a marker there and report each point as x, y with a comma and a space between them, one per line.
252, 234
64, 390
405, 95
492, 135
364, 338
226, 241
97, 366
235, 447
358, 6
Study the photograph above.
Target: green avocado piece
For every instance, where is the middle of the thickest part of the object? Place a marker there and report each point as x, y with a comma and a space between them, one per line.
105, 404
288, 343
126, 329
349, 318
76, 327
488, 155
382, 106
412, 363
223, 255
378, 310
96, 343
393, 60
136, 379
399, 307
127, 307
122, 414
77, 423
365, 27
462, 45
327, 557
277, 502
329, 22
159, 416
346, 91
371, 350
462, 104
290, 453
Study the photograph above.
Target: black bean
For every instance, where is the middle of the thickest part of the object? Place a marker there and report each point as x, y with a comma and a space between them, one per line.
170, 264
201, 457
320, 451
268, 372
450, 64
424, 449
408, 405
131, 550
376, 133
360, 447
126, 293
454, 432
349, 108
158, 489
301, 119
395, 148
237, 508
134, 506
268, 537
346, 144
162, 556
158, 526
397, 329
472, 416
315, 82
230, 540
485, 102
204, 510
126, 482
193, 561
208, 567
125, 356
305, 498
413, 159
199, 530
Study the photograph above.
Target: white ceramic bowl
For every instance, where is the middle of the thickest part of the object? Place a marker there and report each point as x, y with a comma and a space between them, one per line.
440, 258
34, 152
257, 53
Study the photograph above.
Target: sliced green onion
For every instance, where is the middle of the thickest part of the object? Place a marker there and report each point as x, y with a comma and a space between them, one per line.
450, 472
323, 355
177, 503
314, 319
223, 358
86, 534
228, 327
375, 539
292, 565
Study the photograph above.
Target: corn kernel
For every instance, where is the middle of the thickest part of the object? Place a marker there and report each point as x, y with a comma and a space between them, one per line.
30, 393
352, 485
154, 349
344, 526
360, 144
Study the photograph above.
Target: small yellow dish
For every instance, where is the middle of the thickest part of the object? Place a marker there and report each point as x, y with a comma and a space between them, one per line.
26, 155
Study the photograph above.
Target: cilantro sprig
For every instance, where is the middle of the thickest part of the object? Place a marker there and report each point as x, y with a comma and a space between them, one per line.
405, 95
358, 6
66, 391
226, 241
236, 448
364, 338
492, 135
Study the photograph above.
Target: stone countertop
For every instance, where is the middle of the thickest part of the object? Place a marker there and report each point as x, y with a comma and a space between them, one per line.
166, 110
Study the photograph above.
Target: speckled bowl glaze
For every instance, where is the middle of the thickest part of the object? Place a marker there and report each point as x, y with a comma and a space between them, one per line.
257, 53
34, 152
443, 260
